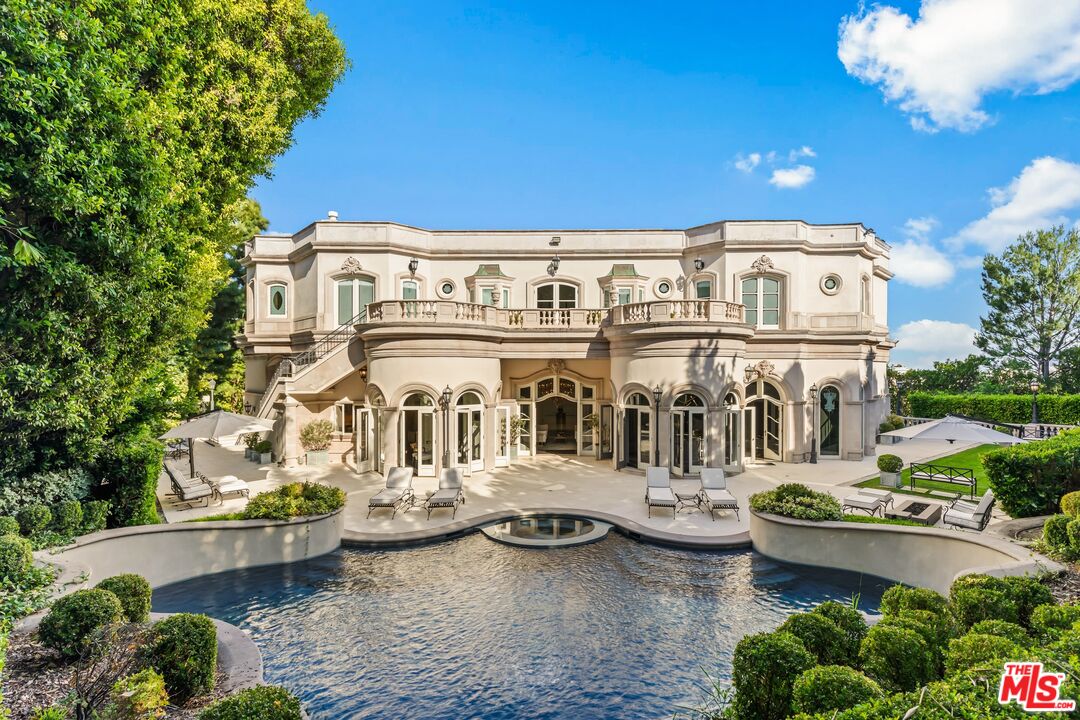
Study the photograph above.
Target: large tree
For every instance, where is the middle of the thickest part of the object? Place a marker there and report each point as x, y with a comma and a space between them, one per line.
1033, 293
129, 130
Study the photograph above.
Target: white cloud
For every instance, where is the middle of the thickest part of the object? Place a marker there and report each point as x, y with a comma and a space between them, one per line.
1035, 199
747, 163
916, 261
920, 228
795, 177
940, 65
804, 151
921, 342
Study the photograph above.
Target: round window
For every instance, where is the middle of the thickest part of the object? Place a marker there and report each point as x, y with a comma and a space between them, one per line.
663, 288
446, 289
831, 284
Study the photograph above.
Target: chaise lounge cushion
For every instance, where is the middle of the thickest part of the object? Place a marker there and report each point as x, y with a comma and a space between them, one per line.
387, 497
444, 498
862, 502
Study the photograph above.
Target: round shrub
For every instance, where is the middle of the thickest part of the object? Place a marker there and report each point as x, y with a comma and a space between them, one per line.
95, 515
820, 635
266, 702
896, 657
931, 627
1050, 621
137, 696
8, 525
900, 597
134, 593
1067, 644
890, 463
797, 501
317, 435
1072, 530
1000, 628
851, 623
1028, 593
832, 687
16, 556
67, 518
183, 648
74, 618
34, 519
765, 668
973, 604
1070, 503
1055, 531
975, 650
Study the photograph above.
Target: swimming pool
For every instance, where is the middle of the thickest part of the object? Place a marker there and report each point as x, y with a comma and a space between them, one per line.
475, 629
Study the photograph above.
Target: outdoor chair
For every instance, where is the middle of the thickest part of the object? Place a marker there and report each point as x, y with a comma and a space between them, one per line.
229, 485
884, 495
450, 493
871, 504
658, 489
190, 493
714, 493
970, 515
397, 492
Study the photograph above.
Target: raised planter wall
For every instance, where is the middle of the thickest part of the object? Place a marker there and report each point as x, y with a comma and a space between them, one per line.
166, 554
927, 557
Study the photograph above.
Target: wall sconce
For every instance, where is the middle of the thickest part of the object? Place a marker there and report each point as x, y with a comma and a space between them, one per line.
657, 393
363, 373
553, 266
699, 264
413, 265
748, 374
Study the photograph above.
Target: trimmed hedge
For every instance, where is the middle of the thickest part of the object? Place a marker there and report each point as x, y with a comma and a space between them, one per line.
67, 517
890, 463
901, 597
133, 592
34, 519
95, 516
895, 657
8, 525
1008, 630
183, 648
1031, 478
765, 668
980, 651
74, 618
820, 635
16, 556
129, 467
1053, 409
1070, 503
832, 687
797, 501
1049, 621
851, 623
266, 702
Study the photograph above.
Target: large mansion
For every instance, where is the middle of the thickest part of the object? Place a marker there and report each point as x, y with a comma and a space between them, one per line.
722, 345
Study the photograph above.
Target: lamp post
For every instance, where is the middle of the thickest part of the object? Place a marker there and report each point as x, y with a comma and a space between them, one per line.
1034, 402
213, 386
657, 393
813, 421
444, 403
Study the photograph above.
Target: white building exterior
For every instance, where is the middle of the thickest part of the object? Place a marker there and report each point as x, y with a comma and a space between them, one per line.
561, 341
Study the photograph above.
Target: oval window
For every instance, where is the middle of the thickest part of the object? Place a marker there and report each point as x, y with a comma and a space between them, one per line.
831, 284
664, 288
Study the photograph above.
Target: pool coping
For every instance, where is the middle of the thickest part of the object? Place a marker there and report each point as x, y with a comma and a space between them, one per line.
629, 528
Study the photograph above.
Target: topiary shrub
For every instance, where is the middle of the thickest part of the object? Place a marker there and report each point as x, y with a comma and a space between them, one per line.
827, 688
890, 463
973, 604
134, 594
34, 519
140, 696
1055, 531
935, 629
95, 516
901, 597
1070, 503
183, 648
851, 623
73, 619
896, 657
1067, 645
980, 651
1050, 621
797, 501
981, 597
1028, 593
266, 702
8, 525
765, 668
1072, 531
67, 518
820, 635
16, 556
1000, 628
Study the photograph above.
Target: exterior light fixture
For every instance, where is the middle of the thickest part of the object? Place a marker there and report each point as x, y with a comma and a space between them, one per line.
213, 386
1034, 402
555, 240
444, 403
699, 264
657, 393
444, 400
363, 373
553, 266
813, 420
413, 264
748, 374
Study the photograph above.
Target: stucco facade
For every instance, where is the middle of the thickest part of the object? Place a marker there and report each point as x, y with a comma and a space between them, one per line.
562, 341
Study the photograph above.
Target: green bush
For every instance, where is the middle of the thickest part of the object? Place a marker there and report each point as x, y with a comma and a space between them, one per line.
183, 648
765, 668
972, 605
981, 597
1028, 593
1000, 628
895, 657
832, 687
129, 467
34, 519
820, 635
1031, 478
1067, 644
1070, 503
95, 516
295, 500
851, 623
134, 594
1053, 409
317, 435
263, 446
46, 488
1072, 533
1049, 621
902, 597
16, 556
74, 618
67, 518
891, 422
797, 501
974, 650
265, 702
319, 499
934, 629
1055, 531
137, 697
8, 525
890, 463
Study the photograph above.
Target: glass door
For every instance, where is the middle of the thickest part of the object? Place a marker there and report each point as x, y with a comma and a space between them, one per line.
469, 439
418, 440
678, 442
749, 434
365, 447
502, 436
607, 425
732, 443
644, 443
525, 435
695, 440
587, 431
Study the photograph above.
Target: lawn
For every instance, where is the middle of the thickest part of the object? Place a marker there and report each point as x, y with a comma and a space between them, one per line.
970, 458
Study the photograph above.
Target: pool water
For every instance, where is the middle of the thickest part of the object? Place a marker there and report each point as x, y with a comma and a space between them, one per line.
474, 629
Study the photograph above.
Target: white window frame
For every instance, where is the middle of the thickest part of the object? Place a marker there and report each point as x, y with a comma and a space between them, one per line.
760, 294
409, 281
270, 300
355, 280
556, 294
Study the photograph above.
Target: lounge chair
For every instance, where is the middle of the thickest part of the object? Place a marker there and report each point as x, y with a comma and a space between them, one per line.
192, 492
972, 516
397, 492
871, 504
229, 485
658, 489
714, 493
450, 493
884, 495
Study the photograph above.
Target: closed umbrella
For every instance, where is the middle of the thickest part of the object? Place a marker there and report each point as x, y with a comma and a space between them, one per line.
216, 423
952, 428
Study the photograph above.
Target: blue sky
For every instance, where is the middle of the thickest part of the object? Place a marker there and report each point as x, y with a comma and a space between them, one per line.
947, 126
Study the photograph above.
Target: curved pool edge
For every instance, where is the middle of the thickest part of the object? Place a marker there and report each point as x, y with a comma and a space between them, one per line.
629, 528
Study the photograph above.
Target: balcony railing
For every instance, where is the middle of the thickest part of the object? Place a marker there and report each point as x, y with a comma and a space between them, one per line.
678, 311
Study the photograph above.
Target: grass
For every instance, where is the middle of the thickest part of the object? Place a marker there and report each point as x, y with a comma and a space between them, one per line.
874, 520
220, 516
970, 459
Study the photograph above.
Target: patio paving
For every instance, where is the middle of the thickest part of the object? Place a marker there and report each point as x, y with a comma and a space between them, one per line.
542, 483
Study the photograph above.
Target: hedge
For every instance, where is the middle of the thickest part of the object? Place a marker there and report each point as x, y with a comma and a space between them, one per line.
74, 618
1053, 409
183, 648
266, 702
1030, 479
129, 468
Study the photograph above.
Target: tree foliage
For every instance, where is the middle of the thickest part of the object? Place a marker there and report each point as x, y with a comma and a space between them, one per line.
129, 133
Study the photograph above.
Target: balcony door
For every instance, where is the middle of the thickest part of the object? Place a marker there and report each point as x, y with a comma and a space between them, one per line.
638, 431
368, 440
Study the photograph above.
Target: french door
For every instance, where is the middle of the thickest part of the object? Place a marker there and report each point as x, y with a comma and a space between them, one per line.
643, 433
502, 436
470, 440
368, 440
733, 449
607, 424
417, 445
687, 441
763, 429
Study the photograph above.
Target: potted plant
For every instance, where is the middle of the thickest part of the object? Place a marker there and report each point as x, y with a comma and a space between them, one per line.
517, 424
315, 438
890, 466
250, 441
263, 451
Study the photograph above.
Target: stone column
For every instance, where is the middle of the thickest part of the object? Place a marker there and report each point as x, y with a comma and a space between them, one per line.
291, 431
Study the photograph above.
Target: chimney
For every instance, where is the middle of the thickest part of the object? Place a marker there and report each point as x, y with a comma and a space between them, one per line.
332, 216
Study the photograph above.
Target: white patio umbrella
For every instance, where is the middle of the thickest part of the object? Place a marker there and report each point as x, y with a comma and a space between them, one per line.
952, 428
216, 423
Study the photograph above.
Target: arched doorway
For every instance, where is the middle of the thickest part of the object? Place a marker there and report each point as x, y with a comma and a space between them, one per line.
417, 444
469, 413
763, 421
687, 434
829, 421
638, 431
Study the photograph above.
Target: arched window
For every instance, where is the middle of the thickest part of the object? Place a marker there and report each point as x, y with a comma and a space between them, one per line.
353, 295
731, 401
829, 419
638, 400
469, 398
761, 296
251, 300
278, 300
688, 400
703, 289
556, 295
418, 400
410, 290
